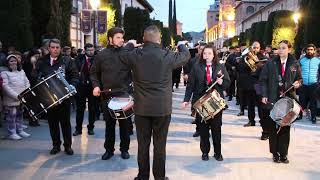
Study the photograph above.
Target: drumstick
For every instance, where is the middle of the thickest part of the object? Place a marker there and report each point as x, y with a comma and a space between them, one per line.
214, 83
286, 91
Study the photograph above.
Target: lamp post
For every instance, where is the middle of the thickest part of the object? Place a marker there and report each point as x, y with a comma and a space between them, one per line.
94, 5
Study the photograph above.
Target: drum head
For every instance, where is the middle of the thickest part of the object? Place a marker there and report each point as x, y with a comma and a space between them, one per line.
117, 103
284, 108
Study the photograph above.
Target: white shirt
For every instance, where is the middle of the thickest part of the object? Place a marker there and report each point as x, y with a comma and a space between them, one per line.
52, 59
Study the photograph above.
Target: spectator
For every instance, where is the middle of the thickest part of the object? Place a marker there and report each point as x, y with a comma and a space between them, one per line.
14, 82
309, 70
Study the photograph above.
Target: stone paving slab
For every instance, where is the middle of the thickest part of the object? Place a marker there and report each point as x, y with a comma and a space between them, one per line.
245, 156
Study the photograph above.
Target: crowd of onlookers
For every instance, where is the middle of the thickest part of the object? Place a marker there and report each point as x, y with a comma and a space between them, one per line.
16, 70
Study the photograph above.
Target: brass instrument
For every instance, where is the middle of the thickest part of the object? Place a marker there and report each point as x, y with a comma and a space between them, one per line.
224, 58
250, 59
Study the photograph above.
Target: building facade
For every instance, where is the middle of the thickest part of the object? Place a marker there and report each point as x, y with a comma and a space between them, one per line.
78, 38
244, 22
245, 9
217, 31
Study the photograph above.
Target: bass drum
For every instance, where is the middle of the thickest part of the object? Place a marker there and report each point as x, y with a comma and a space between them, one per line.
50, 92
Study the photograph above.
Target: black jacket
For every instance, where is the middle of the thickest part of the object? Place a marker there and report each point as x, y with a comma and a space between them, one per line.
44, 69
84, 78
152, 77
197, 83
271, 76
247, 79
188, 66
109, 73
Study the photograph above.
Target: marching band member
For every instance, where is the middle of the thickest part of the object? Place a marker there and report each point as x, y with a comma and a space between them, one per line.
109, 73
59, 114
276, 77
201, 77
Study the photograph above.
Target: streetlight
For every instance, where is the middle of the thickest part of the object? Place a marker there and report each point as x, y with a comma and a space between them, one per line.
296, 17
94, 5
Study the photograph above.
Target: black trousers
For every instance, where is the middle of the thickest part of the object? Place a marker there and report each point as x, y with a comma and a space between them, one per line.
231, 89
60, 116
278, 142
84, 93
249, 98
158, 128
110, 131
307, 97
264, 116
215, 126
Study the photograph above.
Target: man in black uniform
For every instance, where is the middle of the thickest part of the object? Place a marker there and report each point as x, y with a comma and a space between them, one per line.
59, 114
84, 89
109, 73
152, 77
247, 80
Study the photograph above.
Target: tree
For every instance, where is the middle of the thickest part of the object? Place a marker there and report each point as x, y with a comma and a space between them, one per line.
258, 32
115, 4
16, 24
187, 36
111, 22
166, 37
174, 19
312, 34
135, 20
299, 39
40, 11
170, 15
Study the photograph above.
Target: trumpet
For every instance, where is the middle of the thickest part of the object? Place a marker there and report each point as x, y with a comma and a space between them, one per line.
251, 59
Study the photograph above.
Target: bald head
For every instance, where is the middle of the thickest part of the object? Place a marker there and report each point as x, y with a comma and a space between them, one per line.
152, 34
256, 47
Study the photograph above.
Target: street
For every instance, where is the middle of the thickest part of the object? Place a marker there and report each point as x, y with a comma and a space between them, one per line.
246, 157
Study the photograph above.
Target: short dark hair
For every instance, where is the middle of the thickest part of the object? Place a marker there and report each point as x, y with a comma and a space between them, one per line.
287, 43
88, 45
66, 48
113, 31
243, 44
269, 46
56, 41
311, 45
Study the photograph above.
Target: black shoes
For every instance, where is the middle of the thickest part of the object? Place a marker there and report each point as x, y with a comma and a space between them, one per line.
34, 123
107, 155
90, 132
284, 160
55, 150
68, 151
218, 157
249, 124
196, 134
276, 158
138, 178
205, 157
240, 114
76, 133
264, 137
125, 155
314, 120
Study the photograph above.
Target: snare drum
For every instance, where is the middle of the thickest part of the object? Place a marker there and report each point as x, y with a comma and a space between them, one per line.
121, 107
285, 111
50, 92
209, 105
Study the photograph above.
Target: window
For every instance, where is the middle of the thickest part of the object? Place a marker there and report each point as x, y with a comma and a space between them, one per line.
250, 10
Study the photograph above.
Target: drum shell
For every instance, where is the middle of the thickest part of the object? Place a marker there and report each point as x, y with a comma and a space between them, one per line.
209, 105
48, 93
